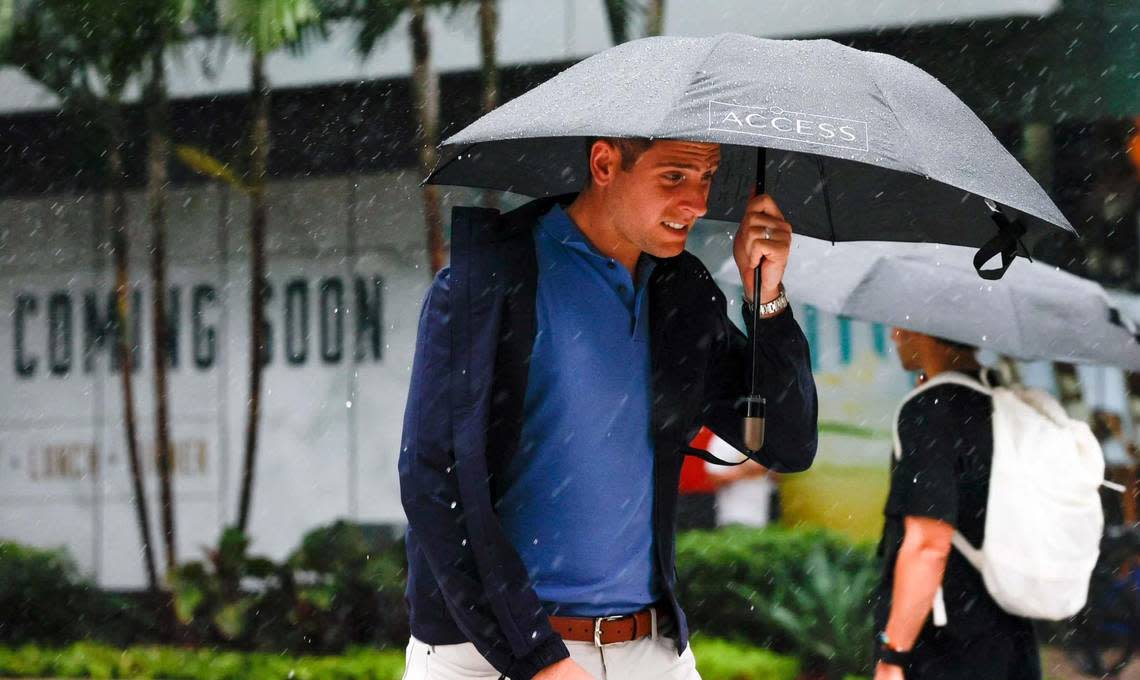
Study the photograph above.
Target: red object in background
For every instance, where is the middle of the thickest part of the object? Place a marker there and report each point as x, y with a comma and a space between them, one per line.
694, 474
1133, 147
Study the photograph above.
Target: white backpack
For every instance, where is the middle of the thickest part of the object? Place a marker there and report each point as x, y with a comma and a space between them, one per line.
1043, 514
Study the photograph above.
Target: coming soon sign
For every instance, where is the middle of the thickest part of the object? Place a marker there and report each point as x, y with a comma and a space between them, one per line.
341, 316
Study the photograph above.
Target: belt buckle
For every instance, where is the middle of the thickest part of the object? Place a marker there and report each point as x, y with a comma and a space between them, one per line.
598, 627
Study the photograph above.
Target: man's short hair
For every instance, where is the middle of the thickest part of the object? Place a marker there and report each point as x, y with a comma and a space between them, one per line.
955, 345
630, 148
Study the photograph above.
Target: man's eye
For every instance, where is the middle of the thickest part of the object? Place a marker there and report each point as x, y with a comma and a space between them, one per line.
674, 176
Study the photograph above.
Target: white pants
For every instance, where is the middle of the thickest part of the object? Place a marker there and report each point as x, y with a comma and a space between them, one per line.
645, 658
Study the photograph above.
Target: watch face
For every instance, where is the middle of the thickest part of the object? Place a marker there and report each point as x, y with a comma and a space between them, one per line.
882, 639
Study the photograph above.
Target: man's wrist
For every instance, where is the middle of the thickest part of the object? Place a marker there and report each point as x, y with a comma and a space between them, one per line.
766, 295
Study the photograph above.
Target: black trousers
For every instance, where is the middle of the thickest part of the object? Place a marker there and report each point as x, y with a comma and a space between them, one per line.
1005, 653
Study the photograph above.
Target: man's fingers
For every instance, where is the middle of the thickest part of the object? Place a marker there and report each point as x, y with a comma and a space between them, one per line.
764, 203
758, 247
756, 219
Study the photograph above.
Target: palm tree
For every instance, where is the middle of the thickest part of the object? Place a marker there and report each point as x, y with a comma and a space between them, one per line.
489, 67
617, 16
162, 26
655, 17
425, 88
488, 32
87, 53
264, 26
619, 13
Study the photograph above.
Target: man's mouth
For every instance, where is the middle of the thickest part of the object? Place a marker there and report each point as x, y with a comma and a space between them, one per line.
676, 226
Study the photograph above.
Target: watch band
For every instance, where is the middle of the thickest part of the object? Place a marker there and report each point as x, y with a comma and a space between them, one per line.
894, 657
770, 308
889, 655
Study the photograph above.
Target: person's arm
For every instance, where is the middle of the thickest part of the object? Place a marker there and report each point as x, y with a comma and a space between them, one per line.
506, 623
791, 411
933, 434
919, 568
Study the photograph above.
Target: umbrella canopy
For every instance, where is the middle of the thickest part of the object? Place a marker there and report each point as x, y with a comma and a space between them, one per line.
861, 145
1035, 312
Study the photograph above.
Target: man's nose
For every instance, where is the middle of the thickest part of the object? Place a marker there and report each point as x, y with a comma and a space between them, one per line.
695, 201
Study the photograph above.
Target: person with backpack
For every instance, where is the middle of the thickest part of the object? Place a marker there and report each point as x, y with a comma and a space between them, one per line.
992, 517
564, 361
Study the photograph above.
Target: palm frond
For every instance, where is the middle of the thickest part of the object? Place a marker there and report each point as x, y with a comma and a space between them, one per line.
267, 25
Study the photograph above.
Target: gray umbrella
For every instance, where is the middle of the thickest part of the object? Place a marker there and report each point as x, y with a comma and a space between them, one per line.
1035, 312
862, 145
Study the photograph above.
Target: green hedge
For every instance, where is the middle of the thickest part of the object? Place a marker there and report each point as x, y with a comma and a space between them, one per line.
89, 660
44, 599
724, 660
716, 660
801, 592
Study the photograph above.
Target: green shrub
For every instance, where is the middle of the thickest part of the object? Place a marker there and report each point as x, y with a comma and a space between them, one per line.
44, 599
339, 588
723, 660
349, 588
87, 660
801, 592
232, 596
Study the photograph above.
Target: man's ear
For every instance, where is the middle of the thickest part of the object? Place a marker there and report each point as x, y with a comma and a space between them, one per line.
605, 161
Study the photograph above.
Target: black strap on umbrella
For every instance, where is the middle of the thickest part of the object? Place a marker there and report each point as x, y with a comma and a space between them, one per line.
754, 403
1116, 318
1005, 243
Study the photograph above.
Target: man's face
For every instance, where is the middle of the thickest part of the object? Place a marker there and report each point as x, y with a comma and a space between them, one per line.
656, 202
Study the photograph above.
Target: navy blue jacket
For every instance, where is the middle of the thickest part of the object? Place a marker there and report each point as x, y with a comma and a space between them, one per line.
466, 582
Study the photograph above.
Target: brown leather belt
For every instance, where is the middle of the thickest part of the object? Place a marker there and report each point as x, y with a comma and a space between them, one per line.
605, 630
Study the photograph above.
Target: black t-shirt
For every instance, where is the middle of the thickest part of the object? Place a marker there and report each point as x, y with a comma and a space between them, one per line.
946, 434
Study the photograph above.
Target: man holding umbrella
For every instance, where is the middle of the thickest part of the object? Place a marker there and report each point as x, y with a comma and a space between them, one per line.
551, 555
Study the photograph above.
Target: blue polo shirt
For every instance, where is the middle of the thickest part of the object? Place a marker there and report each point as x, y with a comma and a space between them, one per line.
578, 505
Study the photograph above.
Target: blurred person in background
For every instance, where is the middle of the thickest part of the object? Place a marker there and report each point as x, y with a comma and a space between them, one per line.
939, 484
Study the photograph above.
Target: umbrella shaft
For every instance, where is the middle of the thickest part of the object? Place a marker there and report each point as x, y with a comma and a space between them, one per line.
757, 378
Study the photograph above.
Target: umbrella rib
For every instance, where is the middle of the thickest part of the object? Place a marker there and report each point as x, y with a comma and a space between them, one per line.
448, 162
685, 85
826, 196
890, 107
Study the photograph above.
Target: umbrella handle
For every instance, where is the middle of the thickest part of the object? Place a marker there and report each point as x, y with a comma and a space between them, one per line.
753, 424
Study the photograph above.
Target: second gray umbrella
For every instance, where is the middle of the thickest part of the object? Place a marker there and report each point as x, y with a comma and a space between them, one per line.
1035, 312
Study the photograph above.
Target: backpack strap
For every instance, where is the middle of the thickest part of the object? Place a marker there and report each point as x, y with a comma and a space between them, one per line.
946, 378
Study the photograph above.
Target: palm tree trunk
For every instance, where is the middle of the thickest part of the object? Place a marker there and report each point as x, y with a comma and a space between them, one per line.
425, 84
488, 34
655, 17
157, 154
118, 225
259, 164
618, 19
